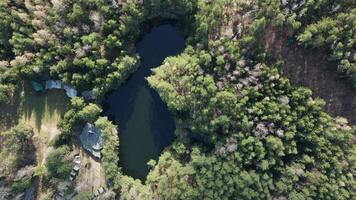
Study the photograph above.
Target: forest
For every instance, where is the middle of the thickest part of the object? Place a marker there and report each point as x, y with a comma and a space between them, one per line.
243, 129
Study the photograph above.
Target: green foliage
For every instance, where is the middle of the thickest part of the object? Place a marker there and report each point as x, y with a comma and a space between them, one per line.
185, 84
89, 113
132, 188
78, 42
5, 91
338, 35
6, 30
319, 23
298, 14
16, 150
210, 19
251, 133
82, 195
123, 69
110, 157
58, 164
22, 185
168, 8
243, 131
80, 112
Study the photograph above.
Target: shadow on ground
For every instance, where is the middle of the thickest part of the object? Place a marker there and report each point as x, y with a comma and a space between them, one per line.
44, 107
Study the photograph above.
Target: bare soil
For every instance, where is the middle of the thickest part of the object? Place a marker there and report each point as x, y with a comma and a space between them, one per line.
91, 175
311, 68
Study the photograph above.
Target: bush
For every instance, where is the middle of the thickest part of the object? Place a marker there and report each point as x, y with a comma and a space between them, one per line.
58, 164
16, 149
22, 185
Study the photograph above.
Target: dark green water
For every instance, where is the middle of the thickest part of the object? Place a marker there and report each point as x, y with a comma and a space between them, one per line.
146, 127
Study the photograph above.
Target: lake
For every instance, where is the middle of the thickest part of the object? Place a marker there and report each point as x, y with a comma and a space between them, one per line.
146, 126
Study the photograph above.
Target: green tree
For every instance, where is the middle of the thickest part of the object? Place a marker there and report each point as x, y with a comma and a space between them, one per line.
111, 147
16, 149
6, 30
58, 164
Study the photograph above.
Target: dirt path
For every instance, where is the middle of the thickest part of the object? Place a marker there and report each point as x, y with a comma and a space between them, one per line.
42, 137
91, 175
310, 68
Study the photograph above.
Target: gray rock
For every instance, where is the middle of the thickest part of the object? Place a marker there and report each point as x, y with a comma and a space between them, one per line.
245, 82
261, 130
236, 73
271, 127
220, 85
227, 67
299, 172
255, 73
221, 49
257, 66
280, 133
231, 147
283, 100
25, 171
241, 62
239, 86
280, 198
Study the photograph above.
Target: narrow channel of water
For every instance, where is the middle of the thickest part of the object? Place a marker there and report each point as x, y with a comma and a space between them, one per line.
146, 127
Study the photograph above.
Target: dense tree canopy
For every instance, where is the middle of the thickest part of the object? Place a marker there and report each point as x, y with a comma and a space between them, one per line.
79, 113
267, 138
243, 131
16, 150
64, 40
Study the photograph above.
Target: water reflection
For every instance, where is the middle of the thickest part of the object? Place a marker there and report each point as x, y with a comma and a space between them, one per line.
146, 126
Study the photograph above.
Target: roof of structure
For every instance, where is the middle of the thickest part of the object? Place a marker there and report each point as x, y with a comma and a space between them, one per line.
91, 139
88, 95
58, 84
54, 84
70, 91
37, 86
